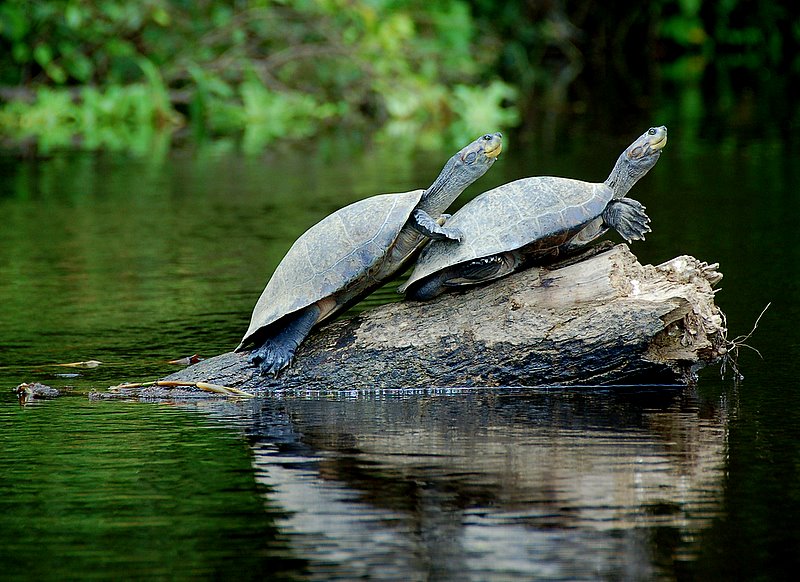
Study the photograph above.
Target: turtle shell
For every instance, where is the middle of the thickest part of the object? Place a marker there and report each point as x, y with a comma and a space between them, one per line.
538, 213
339, 253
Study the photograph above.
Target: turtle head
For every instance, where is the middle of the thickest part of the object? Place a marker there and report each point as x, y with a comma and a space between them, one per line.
647, 148
472, 161
637, 159
481, 152
461, 170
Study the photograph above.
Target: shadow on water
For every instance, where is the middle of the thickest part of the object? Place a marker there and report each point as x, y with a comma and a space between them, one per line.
493, 484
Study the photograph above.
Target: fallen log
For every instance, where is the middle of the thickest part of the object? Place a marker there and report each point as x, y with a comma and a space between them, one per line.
602, 321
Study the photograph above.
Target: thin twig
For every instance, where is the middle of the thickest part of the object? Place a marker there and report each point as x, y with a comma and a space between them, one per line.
732, 355
206, 386
739, 340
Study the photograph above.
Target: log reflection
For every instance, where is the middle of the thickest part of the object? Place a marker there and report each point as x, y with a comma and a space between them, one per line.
548, 483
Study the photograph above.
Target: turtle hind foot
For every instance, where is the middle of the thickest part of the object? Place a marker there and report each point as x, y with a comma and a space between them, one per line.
277, 352
426, 289
581, 254
627, 217
271, 357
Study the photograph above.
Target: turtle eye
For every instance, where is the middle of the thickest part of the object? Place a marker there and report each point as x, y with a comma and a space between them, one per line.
470, 157
652, 131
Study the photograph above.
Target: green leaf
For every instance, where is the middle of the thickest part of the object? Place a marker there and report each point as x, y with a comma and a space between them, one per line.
73, 15
14, 24
161, 16
80, 67
21, 52
43, 54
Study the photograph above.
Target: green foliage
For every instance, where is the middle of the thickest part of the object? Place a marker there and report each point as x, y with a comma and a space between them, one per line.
755, 34
685, 26
269, 69
266, 70
267, 115
129, 117
473, 110
68, 41
482, 107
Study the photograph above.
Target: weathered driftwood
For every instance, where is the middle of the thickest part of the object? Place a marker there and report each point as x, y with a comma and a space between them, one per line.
604, 320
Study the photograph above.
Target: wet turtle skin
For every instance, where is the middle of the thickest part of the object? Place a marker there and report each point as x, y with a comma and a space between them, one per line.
532, 219
353, 251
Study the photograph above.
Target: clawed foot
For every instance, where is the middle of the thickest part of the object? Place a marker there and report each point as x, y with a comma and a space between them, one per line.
271, 358
628, 217
432, 228
637, 231
452, 233
449, 232
638, 223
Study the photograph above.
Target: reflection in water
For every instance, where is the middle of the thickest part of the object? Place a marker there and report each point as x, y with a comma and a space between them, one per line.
548, 483
117, 491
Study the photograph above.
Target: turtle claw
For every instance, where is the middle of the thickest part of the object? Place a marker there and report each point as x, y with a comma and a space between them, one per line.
271, 358
628, 218
425, 224
277, 351
453, 233
273, 369
448, 232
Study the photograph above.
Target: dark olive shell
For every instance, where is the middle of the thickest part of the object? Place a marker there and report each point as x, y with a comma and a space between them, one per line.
339, 252
537, 213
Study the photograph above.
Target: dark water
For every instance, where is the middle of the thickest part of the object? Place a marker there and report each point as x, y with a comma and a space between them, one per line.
134, 262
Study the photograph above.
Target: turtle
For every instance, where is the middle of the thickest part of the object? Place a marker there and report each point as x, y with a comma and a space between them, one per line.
535, 220
352, 252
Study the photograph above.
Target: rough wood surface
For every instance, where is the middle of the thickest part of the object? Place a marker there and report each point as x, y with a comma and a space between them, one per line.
604, 320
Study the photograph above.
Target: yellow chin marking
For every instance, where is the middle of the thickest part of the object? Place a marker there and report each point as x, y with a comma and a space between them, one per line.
659, 144
494, 152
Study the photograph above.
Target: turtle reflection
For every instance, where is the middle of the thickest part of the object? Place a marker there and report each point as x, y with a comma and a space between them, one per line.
557, 484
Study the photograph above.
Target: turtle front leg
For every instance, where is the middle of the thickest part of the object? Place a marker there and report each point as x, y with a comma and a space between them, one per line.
627, 217
425, 224
278, 351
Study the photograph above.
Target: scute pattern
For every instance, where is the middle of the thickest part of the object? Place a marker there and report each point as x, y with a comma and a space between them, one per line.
339, 252
545, 209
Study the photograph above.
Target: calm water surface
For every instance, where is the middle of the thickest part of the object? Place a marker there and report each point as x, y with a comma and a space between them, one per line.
134, 262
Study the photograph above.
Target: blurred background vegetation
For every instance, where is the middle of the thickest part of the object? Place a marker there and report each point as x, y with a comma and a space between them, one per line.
138, 75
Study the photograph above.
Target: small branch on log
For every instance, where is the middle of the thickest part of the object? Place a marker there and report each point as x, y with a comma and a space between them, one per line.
207, 387
603, 321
